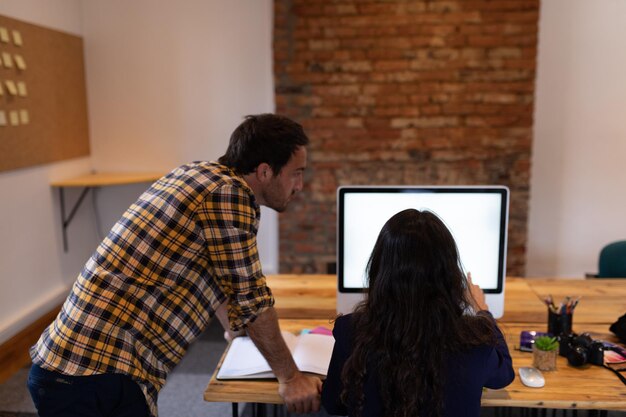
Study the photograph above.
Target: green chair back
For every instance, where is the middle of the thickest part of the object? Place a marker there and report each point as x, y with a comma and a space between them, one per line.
612, 261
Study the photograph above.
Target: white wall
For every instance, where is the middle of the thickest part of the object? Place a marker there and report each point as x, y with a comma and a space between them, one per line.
578, 183
167, 84
35, 273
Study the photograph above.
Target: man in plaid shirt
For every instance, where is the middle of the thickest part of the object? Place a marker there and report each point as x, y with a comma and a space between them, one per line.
184, 252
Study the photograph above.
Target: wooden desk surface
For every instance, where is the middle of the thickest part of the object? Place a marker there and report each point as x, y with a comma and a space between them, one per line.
603, 300
255, 390
590, 387
304, 296
101, 179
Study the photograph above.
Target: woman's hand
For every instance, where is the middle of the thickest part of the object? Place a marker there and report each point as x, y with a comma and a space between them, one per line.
475, 295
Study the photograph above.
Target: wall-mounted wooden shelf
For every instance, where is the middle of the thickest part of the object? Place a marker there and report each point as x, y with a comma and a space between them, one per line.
93, 180
103, 179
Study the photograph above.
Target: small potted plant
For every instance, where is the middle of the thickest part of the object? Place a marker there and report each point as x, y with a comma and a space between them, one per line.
545, 350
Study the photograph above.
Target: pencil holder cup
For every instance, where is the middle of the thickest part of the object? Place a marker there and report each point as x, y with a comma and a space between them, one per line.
559, 324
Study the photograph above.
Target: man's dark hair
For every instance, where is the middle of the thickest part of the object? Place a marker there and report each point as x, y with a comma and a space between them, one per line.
268, 138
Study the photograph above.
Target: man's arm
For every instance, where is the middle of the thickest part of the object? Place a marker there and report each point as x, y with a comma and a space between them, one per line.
301, 393
227, 217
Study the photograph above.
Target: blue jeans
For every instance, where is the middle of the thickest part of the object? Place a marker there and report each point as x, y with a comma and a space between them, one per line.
105, 395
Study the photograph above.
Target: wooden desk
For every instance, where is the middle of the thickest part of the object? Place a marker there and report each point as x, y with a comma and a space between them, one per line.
255, 390
315, 297
603, 300
589, 387
304, 296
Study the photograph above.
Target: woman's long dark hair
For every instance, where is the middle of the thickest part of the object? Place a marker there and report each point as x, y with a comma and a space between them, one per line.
412, 317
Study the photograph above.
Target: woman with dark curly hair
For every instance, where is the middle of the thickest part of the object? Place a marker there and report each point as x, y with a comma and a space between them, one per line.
422, 343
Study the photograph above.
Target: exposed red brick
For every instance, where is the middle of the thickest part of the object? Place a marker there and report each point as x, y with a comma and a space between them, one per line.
404, 92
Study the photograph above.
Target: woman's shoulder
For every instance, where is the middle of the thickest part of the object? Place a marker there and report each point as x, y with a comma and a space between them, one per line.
344, 327
344, 322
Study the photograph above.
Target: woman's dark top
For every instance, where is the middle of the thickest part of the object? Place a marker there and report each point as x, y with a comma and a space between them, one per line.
466, 374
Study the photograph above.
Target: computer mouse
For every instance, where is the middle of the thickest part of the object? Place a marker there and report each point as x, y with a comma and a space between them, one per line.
531, 377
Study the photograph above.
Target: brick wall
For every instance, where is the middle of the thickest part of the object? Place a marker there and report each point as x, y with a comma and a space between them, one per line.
404, 92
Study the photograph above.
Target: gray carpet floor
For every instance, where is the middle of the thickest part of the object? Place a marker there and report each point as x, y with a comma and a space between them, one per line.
182, 394
180, 397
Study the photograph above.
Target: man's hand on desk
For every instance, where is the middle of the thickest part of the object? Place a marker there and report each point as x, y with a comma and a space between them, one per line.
301, 393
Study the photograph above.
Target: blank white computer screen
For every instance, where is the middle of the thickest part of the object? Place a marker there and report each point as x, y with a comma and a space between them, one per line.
476, 217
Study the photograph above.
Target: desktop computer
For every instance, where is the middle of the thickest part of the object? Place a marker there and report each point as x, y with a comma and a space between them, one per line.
477, 217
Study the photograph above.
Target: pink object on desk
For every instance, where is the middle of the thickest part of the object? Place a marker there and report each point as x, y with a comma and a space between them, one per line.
322, 330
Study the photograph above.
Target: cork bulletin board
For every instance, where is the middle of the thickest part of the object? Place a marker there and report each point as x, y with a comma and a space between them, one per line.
43, 102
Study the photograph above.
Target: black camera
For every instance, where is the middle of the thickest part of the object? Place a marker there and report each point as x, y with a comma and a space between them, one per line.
581, 349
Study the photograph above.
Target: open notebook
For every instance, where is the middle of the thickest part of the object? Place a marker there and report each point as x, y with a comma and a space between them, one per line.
311, 352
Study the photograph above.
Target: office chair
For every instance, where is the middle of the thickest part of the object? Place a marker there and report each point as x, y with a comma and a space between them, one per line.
612, 261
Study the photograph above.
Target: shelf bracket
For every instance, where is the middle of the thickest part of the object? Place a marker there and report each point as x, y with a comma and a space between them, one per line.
66, 221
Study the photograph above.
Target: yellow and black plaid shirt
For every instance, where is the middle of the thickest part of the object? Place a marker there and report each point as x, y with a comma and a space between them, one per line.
185, 246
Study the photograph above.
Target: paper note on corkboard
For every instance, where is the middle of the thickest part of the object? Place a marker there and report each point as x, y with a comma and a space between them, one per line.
46, 115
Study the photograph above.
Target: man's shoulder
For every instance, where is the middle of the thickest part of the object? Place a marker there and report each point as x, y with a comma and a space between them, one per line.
204, 169
210, 175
